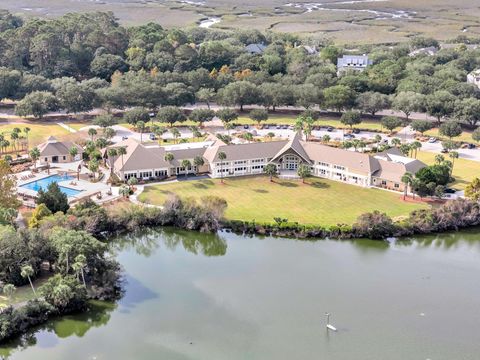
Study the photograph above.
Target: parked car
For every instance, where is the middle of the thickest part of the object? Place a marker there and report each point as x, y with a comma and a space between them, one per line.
432, 140
285, 127
278, 127
246, 127
384, 142
291, 127
330, 128
124, 137
450, 191
349, 136
152, 137
469, 146
444, 151
356, 131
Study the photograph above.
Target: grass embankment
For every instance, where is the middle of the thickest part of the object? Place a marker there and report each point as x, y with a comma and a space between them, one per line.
319, 201
22, 293
464, 171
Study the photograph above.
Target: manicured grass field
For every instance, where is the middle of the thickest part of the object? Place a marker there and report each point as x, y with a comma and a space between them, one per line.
38, 132
464, 171
319, 201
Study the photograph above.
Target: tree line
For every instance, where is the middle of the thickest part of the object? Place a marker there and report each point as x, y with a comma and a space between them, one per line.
81, 61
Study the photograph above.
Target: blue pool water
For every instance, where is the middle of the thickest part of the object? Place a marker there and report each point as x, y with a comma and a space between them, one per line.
43, 183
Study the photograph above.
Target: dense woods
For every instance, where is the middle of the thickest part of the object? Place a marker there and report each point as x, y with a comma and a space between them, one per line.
81, 61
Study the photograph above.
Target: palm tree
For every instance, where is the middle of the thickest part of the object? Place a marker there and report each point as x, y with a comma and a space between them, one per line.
112, 153
198, 161
92, 132
26, 271
377, 139
73, 151
79, 265
396, 142
93, 167
35, 155
453, 155
169, 157
14, 136
26, 130
326, 139
141, 128
186, 164
270, 136
122, 150
9, 290
270, 170
415, 146
175, 133
132, 182
158, 131
221, 156
439, 158
308, 127
304, 171
407, 180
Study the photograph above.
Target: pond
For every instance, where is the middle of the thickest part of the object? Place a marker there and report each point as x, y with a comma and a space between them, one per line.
198, 296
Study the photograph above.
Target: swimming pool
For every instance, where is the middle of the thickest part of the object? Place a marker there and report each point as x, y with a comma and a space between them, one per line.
43, 183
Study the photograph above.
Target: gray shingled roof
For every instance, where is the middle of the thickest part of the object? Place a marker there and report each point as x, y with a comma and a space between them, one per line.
295, 145
254, 150
354, 161
59, 148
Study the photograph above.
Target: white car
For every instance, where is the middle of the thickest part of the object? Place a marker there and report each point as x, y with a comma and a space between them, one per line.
432, 140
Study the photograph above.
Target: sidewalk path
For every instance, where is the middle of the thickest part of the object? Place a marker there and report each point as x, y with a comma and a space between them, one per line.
66, 127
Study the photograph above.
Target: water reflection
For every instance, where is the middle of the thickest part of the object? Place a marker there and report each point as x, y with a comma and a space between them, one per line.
48, 335
146, 242
137, 293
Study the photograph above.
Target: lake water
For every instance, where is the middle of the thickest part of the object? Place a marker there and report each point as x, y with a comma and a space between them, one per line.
197, 296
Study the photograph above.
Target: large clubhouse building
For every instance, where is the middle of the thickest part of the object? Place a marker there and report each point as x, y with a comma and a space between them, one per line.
383, 170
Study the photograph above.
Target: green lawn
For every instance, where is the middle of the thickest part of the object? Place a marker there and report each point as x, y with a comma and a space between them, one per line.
320, 201
464, 171
38, 132
465, 136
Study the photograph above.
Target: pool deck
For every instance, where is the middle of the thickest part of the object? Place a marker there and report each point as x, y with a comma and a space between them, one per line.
88, 189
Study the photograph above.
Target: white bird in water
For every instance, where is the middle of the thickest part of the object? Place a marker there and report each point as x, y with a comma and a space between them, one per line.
330, 326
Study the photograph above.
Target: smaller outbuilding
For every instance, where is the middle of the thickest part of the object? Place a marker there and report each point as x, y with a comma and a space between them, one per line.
54, 151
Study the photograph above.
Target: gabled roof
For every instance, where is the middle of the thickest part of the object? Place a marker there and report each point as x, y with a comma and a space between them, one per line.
139, 157
354, 161
52, 147
254, 150
255, 48
294, 145
185, 154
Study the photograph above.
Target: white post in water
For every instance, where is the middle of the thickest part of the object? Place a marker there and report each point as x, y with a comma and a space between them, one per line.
329, 326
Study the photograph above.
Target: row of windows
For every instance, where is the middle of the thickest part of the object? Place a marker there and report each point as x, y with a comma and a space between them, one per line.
338, 167
244, 168
257, 167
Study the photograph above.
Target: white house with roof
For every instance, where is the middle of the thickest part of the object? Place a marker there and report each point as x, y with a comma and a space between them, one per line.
353, 62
